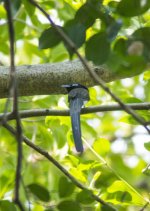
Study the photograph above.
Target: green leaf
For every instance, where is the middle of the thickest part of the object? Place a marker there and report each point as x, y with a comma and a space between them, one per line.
147, 146
87, 14
29, 7
4, 47
7, 206
120, 46
2, 12
84, 197
66, 13
127, 67
142, 34
76, 32
107, 208
146, 170
147, 75
58, 128
121, 191
39, 191
69, 206
49, 38
144, 115
97, 48
15, 5
131, 8
66, 187
20, 26
101, 146
132, 100
130, 120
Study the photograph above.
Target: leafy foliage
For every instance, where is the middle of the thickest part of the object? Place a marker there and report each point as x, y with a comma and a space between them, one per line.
112, 33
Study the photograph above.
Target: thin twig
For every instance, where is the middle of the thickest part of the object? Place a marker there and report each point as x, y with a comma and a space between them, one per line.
145, 206
88, 110
14, 90
93, 74
57, 164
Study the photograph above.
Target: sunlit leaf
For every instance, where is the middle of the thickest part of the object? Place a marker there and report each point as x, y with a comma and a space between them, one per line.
147, 75
122, 192
78, 174
101, 146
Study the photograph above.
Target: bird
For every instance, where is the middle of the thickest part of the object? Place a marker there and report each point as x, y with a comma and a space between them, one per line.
77, 95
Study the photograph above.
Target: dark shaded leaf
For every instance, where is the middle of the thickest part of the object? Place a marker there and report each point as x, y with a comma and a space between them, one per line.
39, 191
69, 206
97, 48
86, 15
49, 38
76, 32
84, 197
120, 46
130, 8
66, 187
7, 206
142, 34
123, 196
15, 5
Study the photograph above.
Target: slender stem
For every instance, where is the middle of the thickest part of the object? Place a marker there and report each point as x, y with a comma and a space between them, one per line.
88, 110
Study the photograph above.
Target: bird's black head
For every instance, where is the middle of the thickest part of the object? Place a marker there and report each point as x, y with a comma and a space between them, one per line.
69, 87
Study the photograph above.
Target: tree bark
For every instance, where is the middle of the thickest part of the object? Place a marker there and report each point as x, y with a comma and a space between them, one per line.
47, 79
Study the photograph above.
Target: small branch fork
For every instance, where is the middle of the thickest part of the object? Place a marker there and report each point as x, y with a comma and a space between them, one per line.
93, 74
13, 91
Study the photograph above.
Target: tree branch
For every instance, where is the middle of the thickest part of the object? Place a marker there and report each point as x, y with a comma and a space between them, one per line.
46, 79
92, 109
13, 91
58, 165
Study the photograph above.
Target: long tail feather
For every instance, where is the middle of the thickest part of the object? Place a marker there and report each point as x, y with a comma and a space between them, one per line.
75, 108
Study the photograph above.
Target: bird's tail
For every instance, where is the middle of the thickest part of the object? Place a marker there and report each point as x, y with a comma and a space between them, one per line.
75, 109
